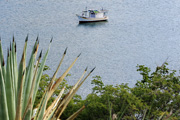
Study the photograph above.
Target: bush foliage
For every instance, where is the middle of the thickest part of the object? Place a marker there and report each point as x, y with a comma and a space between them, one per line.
156, 96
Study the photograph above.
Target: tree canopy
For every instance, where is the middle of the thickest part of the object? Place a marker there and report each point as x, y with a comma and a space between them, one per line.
155, 96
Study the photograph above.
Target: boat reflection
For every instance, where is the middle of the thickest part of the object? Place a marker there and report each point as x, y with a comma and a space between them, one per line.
92, 24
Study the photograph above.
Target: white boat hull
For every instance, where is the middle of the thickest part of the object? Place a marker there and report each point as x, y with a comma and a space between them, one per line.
86, 19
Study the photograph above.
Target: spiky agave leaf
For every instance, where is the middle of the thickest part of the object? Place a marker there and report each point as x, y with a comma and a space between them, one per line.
60, 79
22, 65
68, 97
10, 89
4, 70
50, 91
42, 107
72, 89
27, 113
14, 66
54, 76
28, 80
19, 101
1, 51
30, 104
35, 75
3, 104
39, 74
60, 103
73, 116
18, 86
2, 63
51, 109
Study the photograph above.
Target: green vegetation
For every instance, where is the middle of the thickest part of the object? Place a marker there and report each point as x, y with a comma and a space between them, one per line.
24, 88
155, 97
19, 86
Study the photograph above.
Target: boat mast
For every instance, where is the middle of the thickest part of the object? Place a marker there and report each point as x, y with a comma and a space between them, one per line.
86, 11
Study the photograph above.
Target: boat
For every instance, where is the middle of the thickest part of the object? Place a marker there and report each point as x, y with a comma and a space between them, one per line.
93, 15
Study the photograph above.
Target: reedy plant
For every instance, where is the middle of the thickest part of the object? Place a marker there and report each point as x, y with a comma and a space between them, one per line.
19, 86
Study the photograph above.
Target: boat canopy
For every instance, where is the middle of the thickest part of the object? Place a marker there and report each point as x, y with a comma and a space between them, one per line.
97, 11
93, 11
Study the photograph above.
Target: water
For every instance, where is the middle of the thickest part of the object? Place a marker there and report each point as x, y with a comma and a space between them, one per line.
138, 32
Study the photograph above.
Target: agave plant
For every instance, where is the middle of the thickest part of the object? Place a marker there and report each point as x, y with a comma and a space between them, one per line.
19, 85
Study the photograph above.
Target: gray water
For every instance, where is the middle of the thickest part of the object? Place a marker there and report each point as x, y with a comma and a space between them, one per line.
138, 32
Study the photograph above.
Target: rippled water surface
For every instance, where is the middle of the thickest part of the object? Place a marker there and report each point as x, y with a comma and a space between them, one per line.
138, 32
